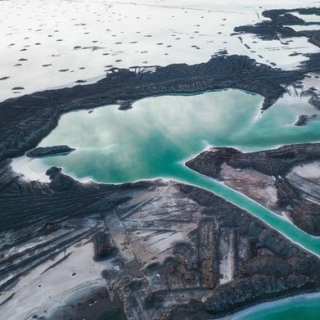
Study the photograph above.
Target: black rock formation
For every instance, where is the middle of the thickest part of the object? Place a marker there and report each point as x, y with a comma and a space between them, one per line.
49, 151
303, 120
103, 245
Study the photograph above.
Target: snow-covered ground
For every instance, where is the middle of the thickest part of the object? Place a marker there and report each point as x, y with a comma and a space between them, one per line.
47, 44
45, 289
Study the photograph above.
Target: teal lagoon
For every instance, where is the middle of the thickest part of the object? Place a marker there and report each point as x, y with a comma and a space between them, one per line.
156, 137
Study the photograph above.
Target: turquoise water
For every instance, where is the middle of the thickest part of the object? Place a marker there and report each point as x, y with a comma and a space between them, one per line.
155, 138
149, 140
298, 308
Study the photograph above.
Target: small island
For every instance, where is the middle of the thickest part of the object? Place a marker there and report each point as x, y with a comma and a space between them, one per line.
41, 152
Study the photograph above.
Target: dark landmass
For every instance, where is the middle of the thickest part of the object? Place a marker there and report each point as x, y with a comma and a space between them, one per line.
278, 27
33, 210
303, 120
275, 162
297, 195
179, 252
315, 101
102, 244
49, 151
25, 120
125, 105
256, 272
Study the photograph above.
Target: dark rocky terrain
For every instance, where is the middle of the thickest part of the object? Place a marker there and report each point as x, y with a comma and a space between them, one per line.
48, 151
278, 25
295, 194
303, 120
181, 252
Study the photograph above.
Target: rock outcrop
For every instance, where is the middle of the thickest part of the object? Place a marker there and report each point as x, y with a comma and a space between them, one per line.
103, 245
49, 151
303, 120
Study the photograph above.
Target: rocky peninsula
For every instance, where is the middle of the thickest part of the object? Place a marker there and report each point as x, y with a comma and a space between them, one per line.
278, 178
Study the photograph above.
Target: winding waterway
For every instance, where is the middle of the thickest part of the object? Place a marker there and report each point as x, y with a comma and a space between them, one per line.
155, 138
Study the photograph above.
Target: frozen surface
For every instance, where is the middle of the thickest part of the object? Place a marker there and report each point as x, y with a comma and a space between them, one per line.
308, 27
47, 44
308, 171
52, 287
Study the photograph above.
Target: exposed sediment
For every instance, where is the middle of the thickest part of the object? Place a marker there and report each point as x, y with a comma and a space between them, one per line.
269, 177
